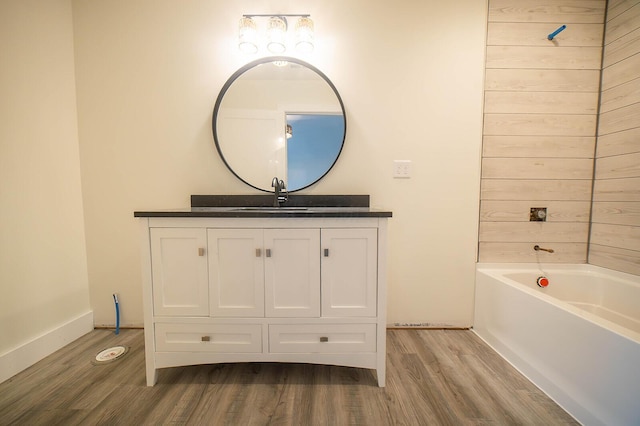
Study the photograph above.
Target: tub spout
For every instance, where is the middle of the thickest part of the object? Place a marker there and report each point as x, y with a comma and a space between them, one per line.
538, 248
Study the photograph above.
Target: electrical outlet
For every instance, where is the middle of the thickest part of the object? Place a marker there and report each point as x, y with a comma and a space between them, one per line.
402, 169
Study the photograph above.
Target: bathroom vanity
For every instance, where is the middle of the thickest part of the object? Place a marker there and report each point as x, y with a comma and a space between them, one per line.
232, 279
269, 278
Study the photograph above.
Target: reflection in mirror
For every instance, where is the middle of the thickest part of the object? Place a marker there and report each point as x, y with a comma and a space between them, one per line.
314, 144
257, 106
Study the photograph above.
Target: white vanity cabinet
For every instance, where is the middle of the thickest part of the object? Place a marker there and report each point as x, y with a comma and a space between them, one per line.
267, 289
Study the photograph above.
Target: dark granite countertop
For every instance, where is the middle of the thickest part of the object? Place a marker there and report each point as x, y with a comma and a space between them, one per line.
261, 206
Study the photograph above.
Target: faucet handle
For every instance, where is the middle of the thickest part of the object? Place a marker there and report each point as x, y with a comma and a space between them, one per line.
284, 195
280, 191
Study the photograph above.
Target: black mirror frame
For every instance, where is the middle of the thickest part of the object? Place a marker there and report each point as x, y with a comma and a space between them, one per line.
246, 68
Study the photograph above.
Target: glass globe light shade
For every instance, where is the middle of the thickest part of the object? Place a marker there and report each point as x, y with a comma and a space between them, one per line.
304, 35
276, 30
247, 36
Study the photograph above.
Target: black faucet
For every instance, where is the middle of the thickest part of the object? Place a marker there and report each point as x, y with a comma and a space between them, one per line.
280, 188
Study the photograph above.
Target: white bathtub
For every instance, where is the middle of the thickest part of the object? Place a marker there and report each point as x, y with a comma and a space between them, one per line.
577, 339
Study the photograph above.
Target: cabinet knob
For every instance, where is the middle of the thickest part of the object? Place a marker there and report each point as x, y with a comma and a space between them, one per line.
326, 252
200, 251
324, 339
258, 252
268, 254
206, 338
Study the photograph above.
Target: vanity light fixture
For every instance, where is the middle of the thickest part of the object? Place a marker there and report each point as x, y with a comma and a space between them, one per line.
289, 131
276, 33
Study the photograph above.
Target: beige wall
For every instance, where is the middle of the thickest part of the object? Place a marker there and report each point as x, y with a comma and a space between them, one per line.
615, 233
410, 75
43, 267
541, 100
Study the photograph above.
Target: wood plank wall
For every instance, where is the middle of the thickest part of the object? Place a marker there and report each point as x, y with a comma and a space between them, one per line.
615, 231
541, 106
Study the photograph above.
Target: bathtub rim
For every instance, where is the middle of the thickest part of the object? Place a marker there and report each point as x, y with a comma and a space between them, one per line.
498, 271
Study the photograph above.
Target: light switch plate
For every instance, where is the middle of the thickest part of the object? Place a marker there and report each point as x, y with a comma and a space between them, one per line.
402, 169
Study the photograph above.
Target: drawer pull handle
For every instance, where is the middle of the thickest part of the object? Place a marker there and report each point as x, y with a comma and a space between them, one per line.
326, 252
258, 252
268, 252
324, 339
200, 251
206, 338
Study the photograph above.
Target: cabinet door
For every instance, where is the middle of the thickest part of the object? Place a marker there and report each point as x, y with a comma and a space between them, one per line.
292, 272
179, 272
349, 272
236, 274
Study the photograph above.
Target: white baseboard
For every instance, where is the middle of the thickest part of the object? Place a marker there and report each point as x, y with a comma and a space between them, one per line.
24, 356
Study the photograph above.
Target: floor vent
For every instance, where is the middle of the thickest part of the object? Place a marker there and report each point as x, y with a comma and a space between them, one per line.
111, 354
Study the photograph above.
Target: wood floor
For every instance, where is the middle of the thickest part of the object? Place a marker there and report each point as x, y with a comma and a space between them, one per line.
434, 377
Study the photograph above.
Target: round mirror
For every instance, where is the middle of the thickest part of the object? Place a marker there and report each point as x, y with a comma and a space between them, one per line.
279, 117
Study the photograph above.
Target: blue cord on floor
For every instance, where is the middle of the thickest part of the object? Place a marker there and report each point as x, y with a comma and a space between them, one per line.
115, 299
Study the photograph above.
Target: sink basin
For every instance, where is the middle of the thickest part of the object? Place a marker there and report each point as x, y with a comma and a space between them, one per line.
272, 209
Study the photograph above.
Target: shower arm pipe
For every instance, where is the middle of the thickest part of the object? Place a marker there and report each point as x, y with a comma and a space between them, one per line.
556, 32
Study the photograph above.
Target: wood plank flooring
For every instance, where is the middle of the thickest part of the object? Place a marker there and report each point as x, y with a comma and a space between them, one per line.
434, 377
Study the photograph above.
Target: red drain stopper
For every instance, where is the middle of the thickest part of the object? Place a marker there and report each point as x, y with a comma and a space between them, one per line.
542, 281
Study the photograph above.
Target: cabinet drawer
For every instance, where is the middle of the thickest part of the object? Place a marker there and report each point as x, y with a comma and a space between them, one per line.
228, 338
314, 338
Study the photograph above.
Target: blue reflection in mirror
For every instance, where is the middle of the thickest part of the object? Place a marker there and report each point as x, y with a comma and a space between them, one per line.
313, 147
